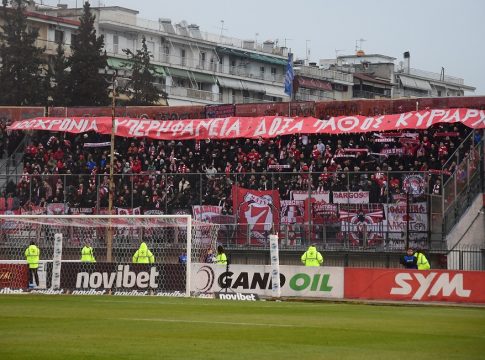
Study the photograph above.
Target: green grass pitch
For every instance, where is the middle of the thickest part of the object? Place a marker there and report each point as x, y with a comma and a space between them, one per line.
110, 327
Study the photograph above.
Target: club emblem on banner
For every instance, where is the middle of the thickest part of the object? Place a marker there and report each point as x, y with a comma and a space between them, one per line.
260, 210
363, 224
414, 185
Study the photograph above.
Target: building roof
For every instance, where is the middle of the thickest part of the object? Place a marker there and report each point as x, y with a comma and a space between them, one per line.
369, 78
50, 18
390, 58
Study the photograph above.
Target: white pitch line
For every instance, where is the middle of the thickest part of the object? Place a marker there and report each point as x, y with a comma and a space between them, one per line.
212, 322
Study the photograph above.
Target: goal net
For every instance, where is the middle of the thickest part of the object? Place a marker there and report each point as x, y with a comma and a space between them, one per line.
135, 254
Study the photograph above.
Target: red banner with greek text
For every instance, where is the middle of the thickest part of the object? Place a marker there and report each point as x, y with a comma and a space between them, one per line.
254, 127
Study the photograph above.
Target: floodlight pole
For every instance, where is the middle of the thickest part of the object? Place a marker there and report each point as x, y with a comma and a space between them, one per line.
112, 188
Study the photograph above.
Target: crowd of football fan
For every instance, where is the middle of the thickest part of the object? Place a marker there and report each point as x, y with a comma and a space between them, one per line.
169, 175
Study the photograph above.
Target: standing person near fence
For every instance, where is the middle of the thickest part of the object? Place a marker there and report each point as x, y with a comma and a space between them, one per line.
143, 255
32, 255
221, 257
409, 260
87, 255
421, 260
312, 257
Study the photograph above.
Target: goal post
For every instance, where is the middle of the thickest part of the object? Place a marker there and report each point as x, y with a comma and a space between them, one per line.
174, 242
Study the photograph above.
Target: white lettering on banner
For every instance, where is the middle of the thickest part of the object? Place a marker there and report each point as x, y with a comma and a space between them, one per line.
443, 285
123, 278
471, 113
8, 291
261, 129
88, 292
402, 121
237, 296
253, 127
349, 197
48, 291
321, 196
348, 124
234, 128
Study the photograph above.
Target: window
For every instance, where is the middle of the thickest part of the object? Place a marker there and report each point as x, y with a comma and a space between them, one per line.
115, 44
59, 37
183, 60
202, 56
151, 47
261, 72
73, 38
164, 53
273, 73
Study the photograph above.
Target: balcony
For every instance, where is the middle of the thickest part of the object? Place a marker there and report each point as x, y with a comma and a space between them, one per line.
325, 74
362, 94
51, 46
193, 94
436, 76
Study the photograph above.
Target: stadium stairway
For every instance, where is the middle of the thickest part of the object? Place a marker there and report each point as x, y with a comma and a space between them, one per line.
467, 236
12, 166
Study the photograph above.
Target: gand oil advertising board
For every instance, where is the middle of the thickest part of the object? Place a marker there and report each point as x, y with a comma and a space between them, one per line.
296, 281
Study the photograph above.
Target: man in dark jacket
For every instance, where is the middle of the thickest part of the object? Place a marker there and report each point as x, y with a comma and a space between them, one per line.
409, 260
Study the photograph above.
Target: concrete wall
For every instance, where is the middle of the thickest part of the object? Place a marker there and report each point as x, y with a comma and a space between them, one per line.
468, 233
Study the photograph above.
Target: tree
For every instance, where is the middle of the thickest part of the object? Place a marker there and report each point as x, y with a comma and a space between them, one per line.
59, 92
89, 86
140, 87
21, 63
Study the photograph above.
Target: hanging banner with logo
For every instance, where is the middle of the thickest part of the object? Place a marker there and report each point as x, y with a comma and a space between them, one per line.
321, 196
81, 211
362, 224
153, 212
292, 218
409, 285
253, 127
57, 209
321, 213
257, 212
414, 185
31, 209
206, 212
128, 211
295, 281
350, 197
292, 211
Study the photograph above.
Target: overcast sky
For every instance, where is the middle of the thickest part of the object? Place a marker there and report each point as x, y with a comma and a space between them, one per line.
438, 33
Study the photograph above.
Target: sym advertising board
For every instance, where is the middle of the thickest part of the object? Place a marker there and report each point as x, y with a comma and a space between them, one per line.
415, 285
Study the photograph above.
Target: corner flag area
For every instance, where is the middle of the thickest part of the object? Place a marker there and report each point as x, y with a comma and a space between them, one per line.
111, 327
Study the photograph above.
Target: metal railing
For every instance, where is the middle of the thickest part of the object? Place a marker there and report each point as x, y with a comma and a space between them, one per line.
172, 192
193, 63
193, 93
436, 76
369, 95
464, 183
325, 74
